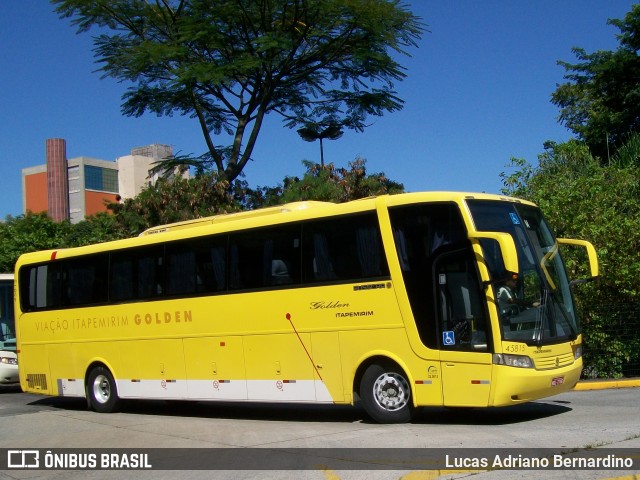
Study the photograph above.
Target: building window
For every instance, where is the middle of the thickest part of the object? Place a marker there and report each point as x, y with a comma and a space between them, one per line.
102, 179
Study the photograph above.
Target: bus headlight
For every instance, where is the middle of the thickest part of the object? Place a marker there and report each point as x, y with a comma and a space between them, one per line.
577, 351
520, 361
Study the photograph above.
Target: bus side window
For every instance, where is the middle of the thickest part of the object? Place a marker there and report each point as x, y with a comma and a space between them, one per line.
247, 264
136, 274
342, 249
150, 278
55, 285
218, 268
29, 287
181, 271
282, 256
264, 258
196, 266
235, 282
121, 278
321, 266
86, 279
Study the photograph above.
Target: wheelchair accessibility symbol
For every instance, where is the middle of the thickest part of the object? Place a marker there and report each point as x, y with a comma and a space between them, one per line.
449, 337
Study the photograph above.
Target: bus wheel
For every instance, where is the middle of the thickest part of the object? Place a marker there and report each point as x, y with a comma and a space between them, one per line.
101, 391
386, 394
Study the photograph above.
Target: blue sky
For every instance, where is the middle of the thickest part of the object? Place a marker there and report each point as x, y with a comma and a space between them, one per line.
477, 93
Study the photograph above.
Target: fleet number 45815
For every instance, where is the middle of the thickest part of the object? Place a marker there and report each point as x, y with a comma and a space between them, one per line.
514, 348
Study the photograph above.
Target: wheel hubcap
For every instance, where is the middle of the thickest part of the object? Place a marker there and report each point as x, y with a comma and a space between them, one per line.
101, 389
391, 391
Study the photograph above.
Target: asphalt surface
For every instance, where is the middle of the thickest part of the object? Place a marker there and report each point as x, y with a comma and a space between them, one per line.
599, 416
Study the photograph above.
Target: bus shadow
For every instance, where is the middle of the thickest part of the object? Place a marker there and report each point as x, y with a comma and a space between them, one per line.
524, 412
62, 403
320, 413
248, 411
217, 410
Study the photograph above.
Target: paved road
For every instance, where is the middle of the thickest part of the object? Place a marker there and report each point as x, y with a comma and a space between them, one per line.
576, 420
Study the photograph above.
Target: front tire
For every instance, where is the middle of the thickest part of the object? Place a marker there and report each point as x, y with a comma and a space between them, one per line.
102, 393
386, 394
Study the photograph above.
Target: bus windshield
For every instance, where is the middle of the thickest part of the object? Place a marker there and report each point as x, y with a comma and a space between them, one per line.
7, 325
536, 306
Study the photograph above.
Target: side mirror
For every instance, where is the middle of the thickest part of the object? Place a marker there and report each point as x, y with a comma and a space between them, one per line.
591, 254
507, 248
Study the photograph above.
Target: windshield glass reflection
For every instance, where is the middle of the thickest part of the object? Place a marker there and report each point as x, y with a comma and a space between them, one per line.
535, 306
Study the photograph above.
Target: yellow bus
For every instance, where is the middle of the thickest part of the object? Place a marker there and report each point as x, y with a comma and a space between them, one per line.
395, 300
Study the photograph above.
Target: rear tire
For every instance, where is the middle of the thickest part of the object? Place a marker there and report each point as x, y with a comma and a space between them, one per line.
386, 394
102, 393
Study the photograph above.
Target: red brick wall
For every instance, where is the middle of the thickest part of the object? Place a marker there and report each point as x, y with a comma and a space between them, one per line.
57, 179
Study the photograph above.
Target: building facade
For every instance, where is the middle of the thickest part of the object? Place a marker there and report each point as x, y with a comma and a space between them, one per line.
72, 189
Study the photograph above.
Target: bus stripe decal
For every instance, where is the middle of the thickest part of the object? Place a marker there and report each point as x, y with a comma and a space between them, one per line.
308, 391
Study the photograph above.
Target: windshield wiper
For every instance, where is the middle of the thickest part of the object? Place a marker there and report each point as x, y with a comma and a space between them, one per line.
546, 309
574, 333
539, 327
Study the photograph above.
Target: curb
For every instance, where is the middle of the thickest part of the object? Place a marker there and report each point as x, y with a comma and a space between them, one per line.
606, 384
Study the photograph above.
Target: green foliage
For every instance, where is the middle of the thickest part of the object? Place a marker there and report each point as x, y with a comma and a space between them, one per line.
98, 228
28, 233
175, 200
628, 155
583, 199
36, 231
600, 102
613, 343
605, 354
206, 195
228, 63
331, 184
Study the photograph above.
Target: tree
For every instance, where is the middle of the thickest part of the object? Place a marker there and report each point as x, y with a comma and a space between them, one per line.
600, 102
175, 200
328, 183
98, 228
29, 233
583, 199
229, 63
311, 133
601, 203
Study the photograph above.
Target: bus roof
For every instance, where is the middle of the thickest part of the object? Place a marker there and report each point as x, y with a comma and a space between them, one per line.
228, 217
261, 217
310, 204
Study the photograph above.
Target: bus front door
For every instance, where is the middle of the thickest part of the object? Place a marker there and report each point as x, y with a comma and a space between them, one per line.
466, 361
